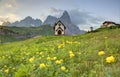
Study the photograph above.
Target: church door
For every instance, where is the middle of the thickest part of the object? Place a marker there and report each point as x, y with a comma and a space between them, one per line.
59, 32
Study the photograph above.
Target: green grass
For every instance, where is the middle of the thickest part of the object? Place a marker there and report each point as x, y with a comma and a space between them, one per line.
7, 38
41, 30
44, 30
23, 58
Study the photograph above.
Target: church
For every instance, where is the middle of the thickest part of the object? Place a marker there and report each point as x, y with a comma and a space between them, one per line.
59, 28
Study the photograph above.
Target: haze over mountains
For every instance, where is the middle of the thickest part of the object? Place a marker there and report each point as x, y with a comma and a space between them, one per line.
71, 28
27, 22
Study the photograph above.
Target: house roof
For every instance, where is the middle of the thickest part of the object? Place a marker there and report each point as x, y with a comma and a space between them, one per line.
57, 23
109, 22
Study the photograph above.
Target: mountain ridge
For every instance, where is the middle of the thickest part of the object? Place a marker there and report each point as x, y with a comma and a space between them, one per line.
27, 22
71, 28
50, 20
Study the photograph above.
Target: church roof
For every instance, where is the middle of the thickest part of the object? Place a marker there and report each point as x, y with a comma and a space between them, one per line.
59, 22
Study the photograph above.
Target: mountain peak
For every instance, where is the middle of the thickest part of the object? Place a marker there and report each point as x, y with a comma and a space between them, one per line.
28, 18
50, 20
50, 16
65, 16
71, 29
65, 12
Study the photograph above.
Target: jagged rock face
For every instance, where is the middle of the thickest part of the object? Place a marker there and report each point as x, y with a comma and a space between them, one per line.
71, 29
27, 22
50, 20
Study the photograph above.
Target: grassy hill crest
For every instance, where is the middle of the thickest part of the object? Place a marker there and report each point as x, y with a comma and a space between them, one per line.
63, 56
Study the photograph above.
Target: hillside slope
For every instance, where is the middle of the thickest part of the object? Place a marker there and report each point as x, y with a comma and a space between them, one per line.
21, 33
63, 56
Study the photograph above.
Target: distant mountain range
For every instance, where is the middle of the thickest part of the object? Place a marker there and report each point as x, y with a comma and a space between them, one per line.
71, 29
27, 22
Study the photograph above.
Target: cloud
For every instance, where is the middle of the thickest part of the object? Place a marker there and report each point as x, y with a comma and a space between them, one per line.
8, 5
42, 16
55, 12
7, 10
9, 17
84, 18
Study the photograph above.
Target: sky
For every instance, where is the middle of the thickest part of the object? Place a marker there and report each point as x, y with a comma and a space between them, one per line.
83, 13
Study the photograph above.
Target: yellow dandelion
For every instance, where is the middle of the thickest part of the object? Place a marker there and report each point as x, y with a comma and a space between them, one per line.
101, 53
70, 52
63, 68
58, 62
37, 53
41, 53
42, 65
54, 58
6, 71
110, 59
27, 53
5, 66
79, 53
61, 45
77, 42
105, 37
69, 42
48, 58
61, 60
72, 55
31, 59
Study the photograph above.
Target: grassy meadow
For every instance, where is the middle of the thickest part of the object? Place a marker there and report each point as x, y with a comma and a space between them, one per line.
94, 54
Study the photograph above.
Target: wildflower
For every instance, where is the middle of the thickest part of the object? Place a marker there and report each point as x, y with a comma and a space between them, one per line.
63, 68
42, 65
48, 58
5, 66
31, 59
37, 53
54, 58
61, 60
0, 70
76, 42
105, 37
110, 59
27, 53
9, 57
79, 53
101, 53
61, 45
13, 68
6, 71
47, 65
69, 42
41, 53
71, 54
42, 56
58, 62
